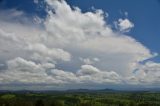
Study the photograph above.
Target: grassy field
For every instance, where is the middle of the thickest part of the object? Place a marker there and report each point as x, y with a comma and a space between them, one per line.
80, 99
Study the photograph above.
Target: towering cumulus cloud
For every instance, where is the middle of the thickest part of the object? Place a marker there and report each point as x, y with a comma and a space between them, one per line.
70, 48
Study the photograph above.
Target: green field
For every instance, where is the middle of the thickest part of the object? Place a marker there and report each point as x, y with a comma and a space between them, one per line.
80, 99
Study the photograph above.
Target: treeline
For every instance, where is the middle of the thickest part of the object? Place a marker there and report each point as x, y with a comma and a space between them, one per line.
80, 99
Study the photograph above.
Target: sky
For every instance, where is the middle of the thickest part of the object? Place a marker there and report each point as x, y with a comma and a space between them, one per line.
72, 44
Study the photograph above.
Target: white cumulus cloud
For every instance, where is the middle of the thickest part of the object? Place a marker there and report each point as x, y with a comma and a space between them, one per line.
124, 25
72, 48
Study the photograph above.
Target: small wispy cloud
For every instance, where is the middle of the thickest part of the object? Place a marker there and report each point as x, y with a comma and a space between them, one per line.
124, 25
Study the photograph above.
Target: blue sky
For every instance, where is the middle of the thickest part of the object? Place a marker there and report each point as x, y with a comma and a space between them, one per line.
70, 45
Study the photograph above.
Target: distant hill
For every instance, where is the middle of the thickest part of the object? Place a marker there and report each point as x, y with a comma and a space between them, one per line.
90, 90
80, 90
58, 91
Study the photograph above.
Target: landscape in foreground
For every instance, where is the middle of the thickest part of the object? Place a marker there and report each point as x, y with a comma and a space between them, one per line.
79, 98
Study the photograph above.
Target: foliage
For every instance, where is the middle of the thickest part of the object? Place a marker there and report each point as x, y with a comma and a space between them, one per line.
8, 96
80, 99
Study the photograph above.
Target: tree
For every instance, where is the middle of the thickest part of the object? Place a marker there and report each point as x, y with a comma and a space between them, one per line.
39, 103
57, 103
